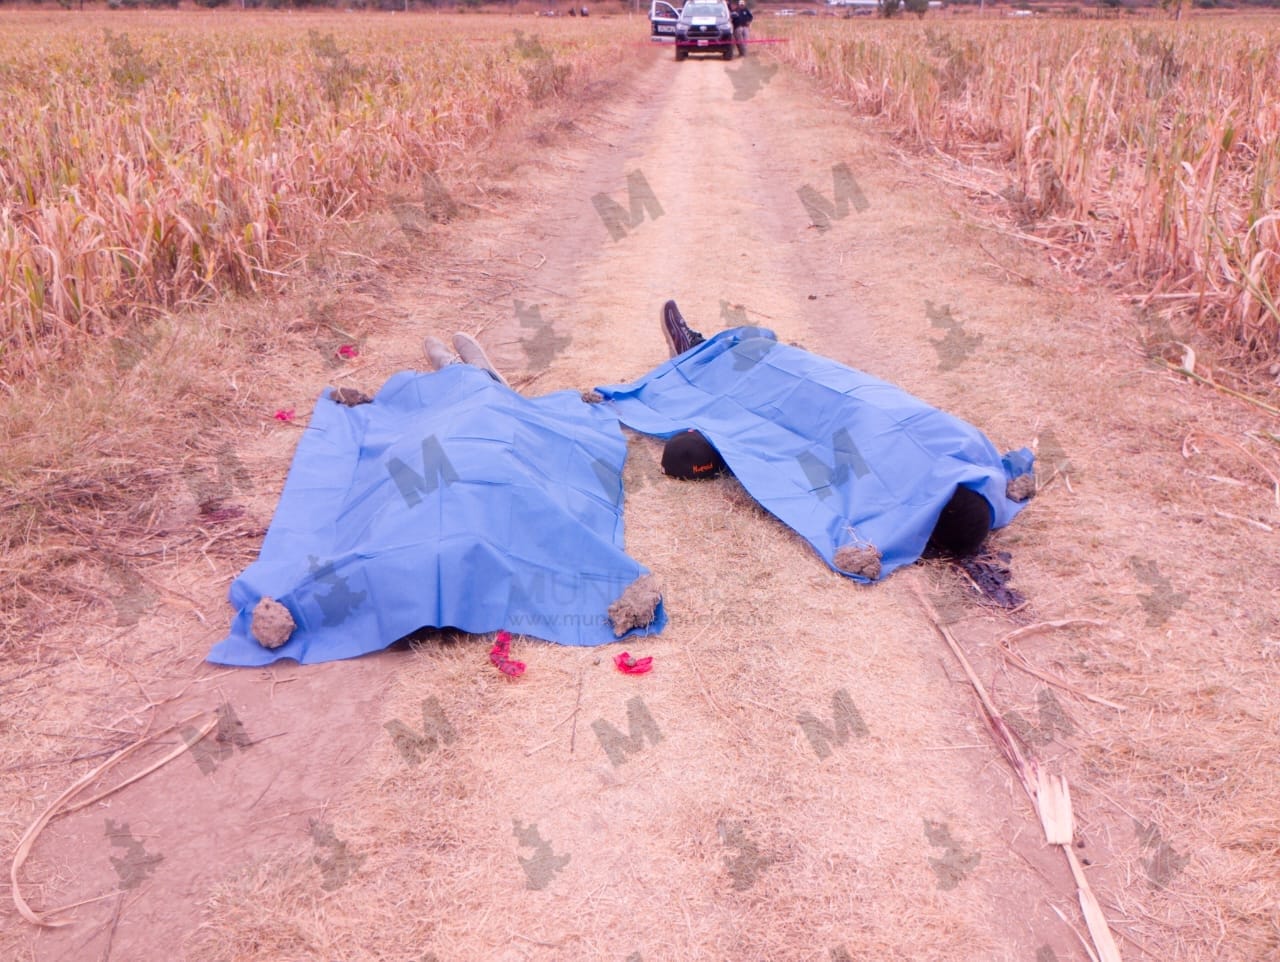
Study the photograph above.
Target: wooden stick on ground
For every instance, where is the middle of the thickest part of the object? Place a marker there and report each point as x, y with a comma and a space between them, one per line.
1018, 661
1019, 633
1048, 793
1094, 917
1005, 740
1015, 659
1185, 372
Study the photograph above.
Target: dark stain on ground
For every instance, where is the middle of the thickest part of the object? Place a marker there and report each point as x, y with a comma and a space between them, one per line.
990, 574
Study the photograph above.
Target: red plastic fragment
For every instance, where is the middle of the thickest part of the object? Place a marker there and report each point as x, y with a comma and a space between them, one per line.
633, 666
285, 414
348, 351
500, 656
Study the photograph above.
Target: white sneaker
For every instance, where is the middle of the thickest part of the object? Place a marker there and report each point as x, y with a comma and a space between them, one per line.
472, 353
438, 353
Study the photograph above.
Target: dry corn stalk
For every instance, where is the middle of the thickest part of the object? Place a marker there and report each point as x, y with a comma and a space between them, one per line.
55, 809
1048, 793
1153, 154
149, 169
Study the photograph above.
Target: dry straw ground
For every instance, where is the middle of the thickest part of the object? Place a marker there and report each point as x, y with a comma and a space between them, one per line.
138, 484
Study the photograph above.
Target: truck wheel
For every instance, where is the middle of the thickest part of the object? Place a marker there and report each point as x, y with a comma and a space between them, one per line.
681, 53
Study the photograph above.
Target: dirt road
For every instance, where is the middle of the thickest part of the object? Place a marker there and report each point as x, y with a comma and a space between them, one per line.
805, 775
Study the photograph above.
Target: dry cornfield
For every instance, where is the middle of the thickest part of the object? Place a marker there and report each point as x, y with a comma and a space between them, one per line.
1146, 153
151, 162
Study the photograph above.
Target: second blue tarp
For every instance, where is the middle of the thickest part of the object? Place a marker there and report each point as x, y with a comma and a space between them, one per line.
838, 455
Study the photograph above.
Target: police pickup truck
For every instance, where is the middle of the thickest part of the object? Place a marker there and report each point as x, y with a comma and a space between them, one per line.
705, 26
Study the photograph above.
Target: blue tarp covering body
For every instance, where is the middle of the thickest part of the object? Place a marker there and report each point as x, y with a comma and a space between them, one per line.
450, 500
839, 456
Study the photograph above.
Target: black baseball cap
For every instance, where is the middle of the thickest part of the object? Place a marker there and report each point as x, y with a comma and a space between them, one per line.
690, 457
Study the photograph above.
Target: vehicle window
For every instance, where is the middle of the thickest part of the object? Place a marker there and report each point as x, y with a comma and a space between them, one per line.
702, 10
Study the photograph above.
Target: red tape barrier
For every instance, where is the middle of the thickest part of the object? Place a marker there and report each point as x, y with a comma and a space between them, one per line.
719, 43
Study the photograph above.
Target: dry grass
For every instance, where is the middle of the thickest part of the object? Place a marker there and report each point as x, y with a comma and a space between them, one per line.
109, 470
1148, 153
155, 162
1174, 830
1148, 529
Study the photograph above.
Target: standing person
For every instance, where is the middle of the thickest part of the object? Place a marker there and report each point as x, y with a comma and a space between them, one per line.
741, 18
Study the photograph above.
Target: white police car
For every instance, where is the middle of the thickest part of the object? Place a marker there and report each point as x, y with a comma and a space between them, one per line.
704, 27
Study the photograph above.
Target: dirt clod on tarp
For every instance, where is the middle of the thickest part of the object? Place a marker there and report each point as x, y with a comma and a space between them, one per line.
1022, 487
272, 623
349, 396
592, 396
636, 606
990, 574
859, 559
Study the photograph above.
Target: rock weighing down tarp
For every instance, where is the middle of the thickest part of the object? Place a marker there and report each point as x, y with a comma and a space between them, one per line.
449, 500
841, 457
